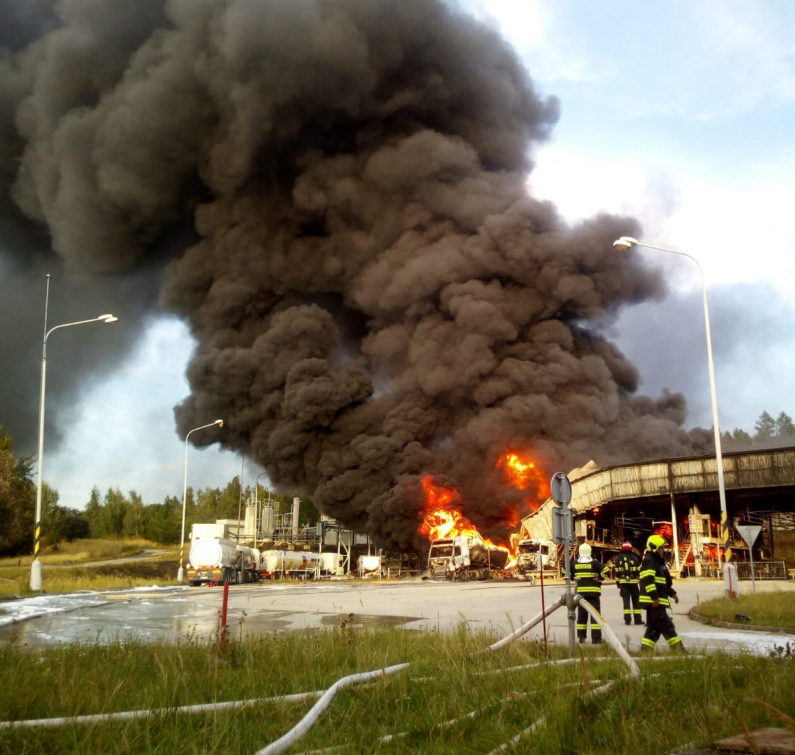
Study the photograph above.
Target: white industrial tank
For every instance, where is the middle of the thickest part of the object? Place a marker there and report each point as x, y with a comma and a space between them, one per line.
283, 561
212, 552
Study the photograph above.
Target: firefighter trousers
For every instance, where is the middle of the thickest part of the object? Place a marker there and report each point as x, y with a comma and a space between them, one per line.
658, 622
630, 594
582, 619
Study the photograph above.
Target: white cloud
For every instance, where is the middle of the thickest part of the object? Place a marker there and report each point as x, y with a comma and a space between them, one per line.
738, 230
124, 433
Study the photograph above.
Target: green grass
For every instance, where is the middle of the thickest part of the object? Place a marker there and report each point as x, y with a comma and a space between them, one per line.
681, 701
82, 551
771, 609
69, 568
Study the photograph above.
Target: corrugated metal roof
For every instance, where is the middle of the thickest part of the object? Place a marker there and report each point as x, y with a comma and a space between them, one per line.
751, 469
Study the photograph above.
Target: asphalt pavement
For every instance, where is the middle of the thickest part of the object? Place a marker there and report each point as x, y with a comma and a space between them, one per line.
499, 606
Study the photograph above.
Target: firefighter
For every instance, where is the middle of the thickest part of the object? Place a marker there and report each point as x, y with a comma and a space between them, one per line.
627, 578
656, 589
588, 573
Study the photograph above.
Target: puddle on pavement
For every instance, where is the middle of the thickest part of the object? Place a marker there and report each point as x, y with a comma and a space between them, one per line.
364, 620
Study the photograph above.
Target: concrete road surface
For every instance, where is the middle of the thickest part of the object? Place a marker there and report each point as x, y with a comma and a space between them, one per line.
500, 606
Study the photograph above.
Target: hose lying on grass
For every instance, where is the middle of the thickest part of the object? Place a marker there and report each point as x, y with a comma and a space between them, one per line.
129, 715
309, 720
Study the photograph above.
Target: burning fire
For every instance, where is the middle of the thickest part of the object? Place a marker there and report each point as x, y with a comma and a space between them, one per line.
443, 520
523, 475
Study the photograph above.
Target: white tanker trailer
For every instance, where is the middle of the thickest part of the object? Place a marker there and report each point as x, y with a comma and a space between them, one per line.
286, 563
218, 559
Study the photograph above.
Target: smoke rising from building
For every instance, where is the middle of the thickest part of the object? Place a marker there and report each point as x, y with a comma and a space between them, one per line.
374, 295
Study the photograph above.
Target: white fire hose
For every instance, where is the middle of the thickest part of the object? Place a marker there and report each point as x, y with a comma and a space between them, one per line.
309, 720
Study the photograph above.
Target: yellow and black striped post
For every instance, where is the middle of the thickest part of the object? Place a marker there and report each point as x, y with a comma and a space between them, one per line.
724, 535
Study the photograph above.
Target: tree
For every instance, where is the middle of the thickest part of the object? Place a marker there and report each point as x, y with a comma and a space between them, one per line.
765, 427
93, 513
163, 521
784, 426
741, 436
17, 499
134, 516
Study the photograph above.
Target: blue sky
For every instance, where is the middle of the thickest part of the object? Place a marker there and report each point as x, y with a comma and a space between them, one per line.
678, 113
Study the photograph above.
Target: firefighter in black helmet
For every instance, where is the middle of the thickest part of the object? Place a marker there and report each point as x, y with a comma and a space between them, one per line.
627, 578
656, 589
588, 574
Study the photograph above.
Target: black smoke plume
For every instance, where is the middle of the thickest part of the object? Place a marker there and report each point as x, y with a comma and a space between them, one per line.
374, 294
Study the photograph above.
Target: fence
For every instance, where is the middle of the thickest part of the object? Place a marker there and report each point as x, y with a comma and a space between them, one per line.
762, 569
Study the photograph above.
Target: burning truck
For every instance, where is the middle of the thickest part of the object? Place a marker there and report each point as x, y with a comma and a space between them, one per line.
466, 557
528, 554
457, 549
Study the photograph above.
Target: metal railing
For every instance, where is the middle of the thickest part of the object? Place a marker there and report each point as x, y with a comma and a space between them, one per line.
762, 569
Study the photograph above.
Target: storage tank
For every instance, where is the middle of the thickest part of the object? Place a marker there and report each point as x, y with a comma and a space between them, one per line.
212, 552
368, 566
286, 561
295, 522
481, 554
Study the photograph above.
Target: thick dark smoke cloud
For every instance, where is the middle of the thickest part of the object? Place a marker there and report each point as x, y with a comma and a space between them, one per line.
374, 295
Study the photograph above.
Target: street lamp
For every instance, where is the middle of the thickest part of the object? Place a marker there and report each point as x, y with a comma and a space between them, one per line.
180, 572
35, 567
627, 242
256, 506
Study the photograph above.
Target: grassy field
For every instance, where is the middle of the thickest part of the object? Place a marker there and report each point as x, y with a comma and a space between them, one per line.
450, 699
771, 609
68, 568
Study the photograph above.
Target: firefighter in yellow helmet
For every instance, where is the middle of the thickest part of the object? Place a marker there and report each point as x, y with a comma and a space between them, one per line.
656, 590
588, 574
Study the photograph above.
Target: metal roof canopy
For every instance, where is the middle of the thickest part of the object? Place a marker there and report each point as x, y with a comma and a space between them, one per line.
743, 472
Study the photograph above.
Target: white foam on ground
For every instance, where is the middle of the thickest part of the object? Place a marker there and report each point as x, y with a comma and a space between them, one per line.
740, 641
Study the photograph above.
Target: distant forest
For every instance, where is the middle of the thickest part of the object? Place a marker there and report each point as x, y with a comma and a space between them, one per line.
115, 514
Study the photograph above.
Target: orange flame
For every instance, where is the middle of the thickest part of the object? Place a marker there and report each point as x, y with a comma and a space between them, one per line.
522, 475
443, 520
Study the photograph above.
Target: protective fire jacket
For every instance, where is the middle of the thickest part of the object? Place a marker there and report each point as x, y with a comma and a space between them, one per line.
627, 568
655, 581
589, 573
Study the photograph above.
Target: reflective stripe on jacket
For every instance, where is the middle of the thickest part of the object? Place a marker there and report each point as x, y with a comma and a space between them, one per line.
655, 581
627, 568
588, 575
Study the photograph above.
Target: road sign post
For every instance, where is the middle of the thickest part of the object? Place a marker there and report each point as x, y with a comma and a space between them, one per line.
563, 531
749, 533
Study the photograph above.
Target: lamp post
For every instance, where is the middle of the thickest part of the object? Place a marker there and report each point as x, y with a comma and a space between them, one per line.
35, 567
256, 507
180, 571
627, 242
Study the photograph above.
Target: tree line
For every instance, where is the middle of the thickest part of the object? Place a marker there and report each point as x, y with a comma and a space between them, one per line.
768, 433
114, 514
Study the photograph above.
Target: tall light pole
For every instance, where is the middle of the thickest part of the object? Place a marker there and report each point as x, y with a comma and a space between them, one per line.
35, 567
627, 242
180, 571
256, 506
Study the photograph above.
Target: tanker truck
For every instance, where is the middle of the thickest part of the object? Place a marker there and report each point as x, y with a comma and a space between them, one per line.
215, 558
290, 564
465, 558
